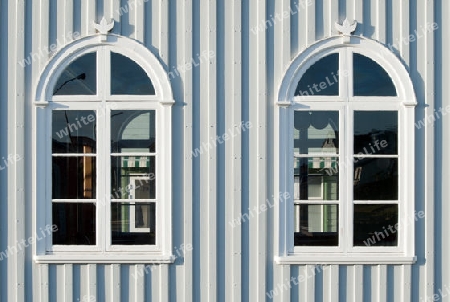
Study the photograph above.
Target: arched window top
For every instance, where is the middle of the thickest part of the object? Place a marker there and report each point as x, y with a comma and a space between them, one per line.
82, 67
358, 69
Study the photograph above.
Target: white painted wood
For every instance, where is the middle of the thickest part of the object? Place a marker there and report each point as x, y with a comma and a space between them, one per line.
331, 283
68, 282
381, 20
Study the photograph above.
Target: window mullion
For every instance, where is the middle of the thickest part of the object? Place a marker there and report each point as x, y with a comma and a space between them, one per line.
349, 175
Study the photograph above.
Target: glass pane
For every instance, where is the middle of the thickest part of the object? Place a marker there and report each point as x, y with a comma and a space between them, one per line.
370, 79
316, 132
375, 178
74, 177
133, 223
74, 131
127, 77
316, 178
76, 223
322, 78
80, 77
316, 225
375, 225
133, 177
376, 132
133, 131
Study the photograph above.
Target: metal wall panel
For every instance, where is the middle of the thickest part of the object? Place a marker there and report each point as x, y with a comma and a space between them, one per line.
252, 50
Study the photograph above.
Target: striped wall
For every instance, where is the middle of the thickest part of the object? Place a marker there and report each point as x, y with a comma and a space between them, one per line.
239, 83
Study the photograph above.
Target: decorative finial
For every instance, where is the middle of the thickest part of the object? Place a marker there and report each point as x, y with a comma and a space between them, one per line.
346, 29
104, 27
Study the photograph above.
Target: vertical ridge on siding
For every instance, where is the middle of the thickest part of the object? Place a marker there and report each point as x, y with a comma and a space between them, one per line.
355, 283
113, 292
4, 66
404, 30
332, 16
16, 144
232, 85
208, 160
310, 29
443, 92
426, 15
88, 16
40, 44
331, 283
381, 20
257, 95
187, 99
113, 10
282, 58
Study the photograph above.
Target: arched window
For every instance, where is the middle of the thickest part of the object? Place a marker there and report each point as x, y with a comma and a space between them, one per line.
346, 156
103, 154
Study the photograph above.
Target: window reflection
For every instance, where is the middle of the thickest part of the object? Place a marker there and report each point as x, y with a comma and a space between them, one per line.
127, 77
133, 223
370, 79
316, 225
75, 222
375, 225
322, 78
80, 77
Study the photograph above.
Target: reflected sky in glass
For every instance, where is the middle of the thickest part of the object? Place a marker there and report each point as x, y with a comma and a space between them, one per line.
127, 77
370, 79
321, 78
79, 77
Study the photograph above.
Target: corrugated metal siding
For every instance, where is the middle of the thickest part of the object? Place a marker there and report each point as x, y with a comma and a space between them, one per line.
238, 84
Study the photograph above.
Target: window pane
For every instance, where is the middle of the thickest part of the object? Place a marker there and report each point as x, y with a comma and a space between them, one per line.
375, 178
316, 225
370, 79
80, 77
376, 132
375, 225
133, 223
316, 132
75, 222
322, 78
74, 177
127, 77
316, 178
74, 131
133, 131
133, 177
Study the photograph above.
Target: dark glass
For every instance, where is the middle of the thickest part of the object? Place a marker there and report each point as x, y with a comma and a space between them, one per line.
127, 77
133, 177
74, 177
375, 178
133, 131
316, 225
75, 222
370, 79
322, 78
133, 223
80, 77
316, 132
376, 132
74, 131
375, 225
316, 178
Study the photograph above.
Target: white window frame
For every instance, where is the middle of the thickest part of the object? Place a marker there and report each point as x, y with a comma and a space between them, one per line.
103, 102
286, 102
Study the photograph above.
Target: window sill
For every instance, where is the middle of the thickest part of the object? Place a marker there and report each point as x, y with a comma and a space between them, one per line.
353, 258
104, 258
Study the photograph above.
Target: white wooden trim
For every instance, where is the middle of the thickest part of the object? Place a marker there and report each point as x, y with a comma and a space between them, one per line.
404, 103
103, 102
